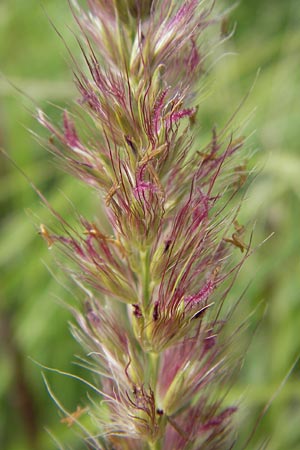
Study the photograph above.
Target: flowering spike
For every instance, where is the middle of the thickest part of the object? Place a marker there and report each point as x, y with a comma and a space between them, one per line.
157, 277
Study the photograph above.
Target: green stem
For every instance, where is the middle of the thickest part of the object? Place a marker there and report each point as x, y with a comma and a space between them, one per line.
154, 445
153, 364
145, 260
153, 358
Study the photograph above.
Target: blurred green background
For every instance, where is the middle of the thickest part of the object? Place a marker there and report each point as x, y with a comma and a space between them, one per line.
33, 324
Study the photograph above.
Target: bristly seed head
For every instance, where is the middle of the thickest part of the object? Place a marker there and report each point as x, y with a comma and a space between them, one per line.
158, 274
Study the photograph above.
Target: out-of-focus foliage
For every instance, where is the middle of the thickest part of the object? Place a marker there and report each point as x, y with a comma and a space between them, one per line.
33, 324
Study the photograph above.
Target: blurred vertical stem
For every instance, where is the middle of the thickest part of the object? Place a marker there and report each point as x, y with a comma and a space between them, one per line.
145, 260
154, 445
153, 364
153, 357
